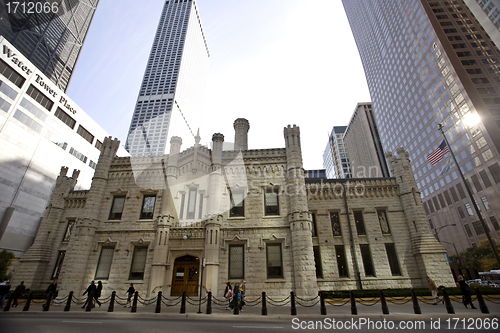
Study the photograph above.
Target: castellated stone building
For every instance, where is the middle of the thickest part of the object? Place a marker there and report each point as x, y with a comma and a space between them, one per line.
160, 221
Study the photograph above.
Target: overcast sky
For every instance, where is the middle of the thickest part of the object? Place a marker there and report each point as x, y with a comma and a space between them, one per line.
273, 62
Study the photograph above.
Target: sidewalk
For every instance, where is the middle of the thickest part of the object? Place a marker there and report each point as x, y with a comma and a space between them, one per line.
399, 309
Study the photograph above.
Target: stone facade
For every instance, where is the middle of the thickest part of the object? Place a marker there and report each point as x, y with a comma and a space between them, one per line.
161, 221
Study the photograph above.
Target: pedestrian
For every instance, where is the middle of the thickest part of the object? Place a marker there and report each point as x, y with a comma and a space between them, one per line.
98, 292
242, 294
228, 293
18, 292
4, 290
434, 290
130, 293
466, 298
50, 292
91, 291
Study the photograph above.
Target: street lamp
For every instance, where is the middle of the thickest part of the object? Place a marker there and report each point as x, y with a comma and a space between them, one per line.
437, 230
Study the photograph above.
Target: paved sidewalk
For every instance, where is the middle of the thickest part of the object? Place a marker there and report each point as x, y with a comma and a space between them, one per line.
399, 308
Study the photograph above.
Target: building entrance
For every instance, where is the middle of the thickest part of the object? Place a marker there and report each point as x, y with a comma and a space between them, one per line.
185, 276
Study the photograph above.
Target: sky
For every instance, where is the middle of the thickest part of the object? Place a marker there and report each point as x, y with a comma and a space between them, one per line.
273, 62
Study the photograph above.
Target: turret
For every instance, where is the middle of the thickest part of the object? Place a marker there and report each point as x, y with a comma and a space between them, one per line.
241, 127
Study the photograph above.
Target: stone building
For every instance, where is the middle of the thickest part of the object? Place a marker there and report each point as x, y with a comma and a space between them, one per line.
160, 221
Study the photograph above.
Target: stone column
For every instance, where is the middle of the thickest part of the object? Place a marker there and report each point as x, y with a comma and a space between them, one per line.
159, 265
75, 273
212, 245
300, 219
429, 253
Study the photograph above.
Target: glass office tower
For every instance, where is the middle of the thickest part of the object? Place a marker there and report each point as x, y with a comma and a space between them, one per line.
429, 62
50, 39
335, 159
170, 99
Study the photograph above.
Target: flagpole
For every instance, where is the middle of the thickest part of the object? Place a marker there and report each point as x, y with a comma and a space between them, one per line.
469, 192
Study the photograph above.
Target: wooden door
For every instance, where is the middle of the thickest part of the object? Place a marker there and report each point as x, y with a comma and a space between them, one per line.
185, 276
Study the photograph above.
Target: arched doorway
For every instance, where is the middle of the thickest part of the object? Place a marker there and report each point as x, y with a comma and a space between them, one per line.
185, 276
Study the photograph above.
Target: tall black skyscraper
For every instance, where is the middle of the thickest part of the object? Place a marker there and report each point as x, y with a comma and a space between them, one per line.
51, 37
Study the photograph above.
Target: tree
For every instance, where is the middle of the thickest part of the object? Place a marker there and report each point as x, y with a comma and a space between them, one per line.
5, 260
480, 258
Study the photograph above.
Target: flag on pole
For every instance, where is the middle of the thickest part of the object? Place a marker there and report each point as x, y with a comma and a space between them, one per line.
438, 154
446, 167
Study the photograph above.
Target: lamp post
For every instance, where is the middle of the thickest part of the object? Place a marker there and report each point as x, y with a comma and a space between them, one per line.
469, 192
437, 230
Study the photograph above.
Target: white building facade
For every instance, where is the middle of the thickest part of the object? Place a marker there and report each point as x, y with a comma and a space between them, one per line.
41, 129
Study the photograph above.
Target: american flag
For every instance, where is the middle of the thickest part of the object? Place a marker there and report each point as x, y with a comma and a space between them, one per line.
438, 154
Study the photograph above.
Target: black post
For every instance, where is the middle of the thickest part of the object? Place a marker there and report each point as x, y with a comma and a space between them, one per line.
183, 302
9, 302
322, 303
209, 302
134, 302
416, 306
293, 309
480, 300
354, 310
47, 303
236, 306
158, 302
385, 309
90, 302
264, 304
447, 301
28, 302
68, 302
111, 306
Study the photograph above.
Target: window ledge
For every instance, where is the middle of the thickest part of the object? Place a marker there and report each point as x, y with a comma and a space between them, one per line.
276, 280
236, 218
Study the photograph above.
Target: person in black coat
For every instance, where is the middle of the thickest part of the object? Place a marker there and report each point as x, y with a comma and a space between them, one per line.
98, 292
90, 290
4, 290
50, 292
18, 292
130, 293
466, 292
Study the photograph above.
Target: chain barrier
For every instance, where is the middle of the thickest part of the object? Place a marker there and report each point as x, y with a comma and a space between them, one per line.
331, 301
193, 301
282, 302
377, 300
219, 302
118, 299
490, 298
147, 301
175, 301
399, 300
424, 299
59, 301
78, 301
254, 302
307, 306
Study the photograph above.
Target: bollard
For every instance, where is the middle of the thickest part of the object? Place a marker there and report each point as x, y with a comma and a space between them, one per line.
322, 303
46, 306
293, 309
385, 308
183, 302
28, 302
480, 300
158, 302
447, 301
68, 302
209, 302
354, 310
236, 306
134, 302
9, 302
111, 306
90, 302
264, 304
416, 306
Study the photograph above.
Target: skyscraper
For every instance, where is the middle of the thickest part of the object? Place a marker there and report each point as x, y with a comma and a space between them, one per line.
335, 159
362, 141
171, 94
50, 39
430, 62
